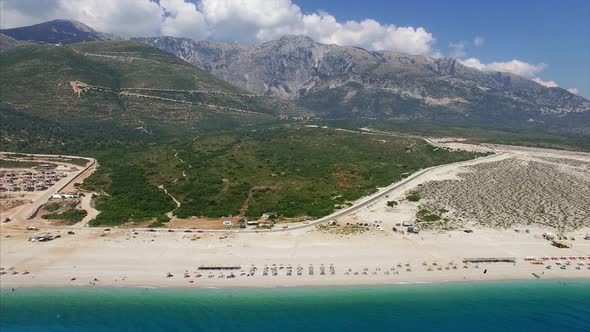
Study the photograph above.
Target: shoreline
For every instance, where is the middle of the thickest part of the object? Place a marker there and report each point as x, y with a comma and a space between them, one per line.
309, 286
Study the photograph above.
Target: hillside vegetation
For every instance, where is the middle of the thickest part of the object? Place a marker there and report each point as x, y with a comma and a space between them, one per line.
116, 90
473, 134
297, 172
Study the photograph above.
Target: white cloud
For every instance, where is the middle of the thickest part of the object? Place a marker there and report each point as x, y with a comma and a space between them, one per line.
183, 19
126, 18
368, 33
549, 84
457, 50
478, 41
263, 20
25, 12
573, 90
251, 20
515, 66
248, 21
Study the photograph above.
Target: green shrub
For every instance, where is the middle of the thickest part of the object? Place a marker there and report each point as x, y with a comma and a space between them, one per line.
414, 197
163, 218
431, 217
156, 224
52, 206
72, 216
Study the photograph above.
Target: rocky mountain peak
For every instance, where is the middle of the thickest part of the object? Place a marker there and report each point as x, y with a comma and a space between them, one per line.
344, 82
70, 25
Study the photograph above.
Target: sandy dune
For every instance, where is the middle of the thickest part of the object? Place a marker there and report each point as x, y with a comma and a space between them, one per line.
519, 187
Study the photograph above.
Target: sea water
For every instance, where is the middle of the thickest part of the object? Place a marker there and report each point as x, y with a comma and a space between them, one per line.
538, 305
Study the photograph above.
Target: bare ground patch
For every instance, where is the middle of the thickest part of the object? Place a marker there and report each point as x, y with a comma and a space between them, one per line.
346, 179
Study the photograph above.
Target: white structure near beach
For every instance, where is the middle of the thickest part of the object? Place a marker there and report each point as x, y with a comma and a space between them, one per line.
64, 196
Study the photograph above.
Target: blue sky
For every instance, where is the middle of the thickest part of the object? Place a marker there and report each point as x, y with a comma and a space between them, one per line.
556, 33
546, 41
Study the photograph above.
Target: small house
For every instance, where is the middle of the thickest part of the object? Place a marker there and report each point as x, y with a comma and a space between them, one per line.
65, 196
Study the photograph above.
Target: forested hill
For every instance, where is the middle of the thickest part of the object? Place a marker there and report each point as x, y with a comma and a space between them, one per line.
114, 90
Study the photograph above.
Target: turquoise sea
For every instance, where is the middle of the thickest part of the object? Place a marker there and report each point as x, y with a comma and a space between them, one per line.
539, 305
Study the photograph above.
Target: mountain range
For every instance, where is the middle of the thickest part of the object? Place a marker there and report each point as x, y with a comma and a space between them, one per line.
349, 82
339, 82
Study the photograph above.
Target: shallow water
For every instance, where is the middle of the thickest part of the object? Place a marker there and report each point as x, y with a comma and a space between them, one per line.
539, 305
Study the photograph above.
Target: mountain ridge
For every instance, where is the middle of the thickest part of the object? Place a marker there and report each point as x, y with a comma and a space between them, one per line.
339, 82
58, 31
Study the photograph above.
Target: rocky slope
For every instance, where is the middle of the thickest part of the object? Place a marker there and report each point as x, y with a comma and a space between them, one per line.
350, 82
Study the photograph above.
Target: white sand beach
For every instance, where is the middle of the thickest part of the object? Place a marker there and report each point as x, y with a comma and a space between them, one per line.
377, 255
122, 258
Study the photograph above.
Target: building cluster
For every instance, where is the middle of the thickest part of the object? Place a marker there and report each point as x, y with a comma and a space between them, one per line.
40, 178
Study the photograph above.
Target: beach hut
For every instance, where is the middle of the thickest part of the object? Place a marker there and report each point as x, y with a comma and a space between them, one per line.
587, 236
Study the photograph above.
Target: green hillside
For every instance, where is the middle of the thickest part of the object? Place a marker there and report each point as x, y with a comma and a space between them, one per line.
116, 90
297, 172
135, 65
